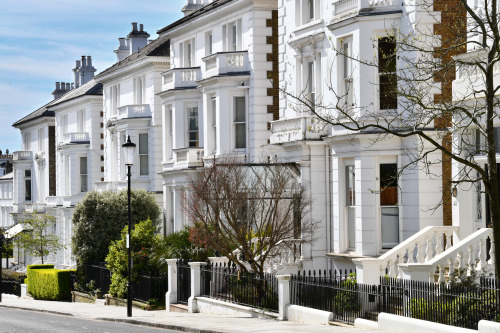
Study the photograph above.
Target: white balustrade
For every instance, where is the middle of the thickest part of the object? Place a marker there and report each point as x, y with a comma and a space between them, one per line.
76, 137
134, 111
348, 8
23, 155
224, 63
188, 156
181, 78
297, 129
422, 247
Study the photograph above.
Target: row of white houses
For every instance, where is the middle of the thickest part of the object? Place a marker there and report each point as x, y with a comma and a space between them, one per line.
209, 87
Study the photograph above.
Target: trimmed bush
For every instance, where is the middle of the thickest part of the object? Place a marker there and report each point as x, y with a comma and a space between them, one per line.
49, 284
30, 267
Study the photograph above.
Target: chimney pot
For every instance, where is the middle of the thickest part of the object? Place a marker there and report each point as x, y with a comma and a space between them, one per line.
134, 26
84, 61
141, 27
78, 64
89, 61
68, 86
57, 86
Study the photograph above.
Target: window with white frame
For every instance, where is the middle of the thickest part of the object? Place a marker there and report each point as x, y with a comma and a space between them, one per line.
27, 185
64, 124
307, 11
347, 77
40, 139
234, 36
115, 99
27, 140
209, 43
81, 121
143, 154
213, 109
139, 90
350, 186
240, 122
193, 134
389, 204
311, 83
387, 73
83, 174
187, 49
170, 135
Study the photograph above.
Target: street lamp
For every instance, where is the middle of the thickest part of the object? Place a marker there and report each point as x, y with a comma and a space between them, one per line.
129, 154
2, 237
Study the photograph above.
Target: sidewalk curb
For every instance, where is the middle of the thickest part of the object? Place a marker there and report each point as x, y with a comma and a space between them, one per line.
159, 325
37, 310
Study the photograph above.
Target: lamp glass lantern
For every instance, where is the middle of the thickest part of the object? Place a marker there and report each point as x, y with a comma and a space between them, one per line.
129, 151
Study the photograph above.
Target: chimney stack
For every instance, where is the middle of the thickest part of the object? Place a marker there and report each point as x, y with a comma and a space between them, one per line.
193, 5
84, 71
137, 39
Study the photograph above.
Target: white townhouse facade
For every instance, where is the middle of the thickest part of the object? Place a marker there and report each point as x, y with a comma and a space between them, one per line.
367, 208
220, 94
49, 173
6, 196
131, 108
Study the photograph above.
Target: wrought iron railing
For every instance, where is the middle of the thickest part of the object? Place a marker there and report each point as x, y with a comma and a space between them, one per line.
227, 282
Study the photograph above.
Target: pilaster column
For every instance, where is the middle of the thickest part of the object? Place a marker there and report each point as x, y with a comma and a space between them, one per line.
283, 294
171, 295
195, 285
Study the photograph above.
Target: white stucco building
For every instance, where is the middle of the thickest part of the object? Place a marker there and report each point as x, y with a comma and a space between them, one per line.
131, 108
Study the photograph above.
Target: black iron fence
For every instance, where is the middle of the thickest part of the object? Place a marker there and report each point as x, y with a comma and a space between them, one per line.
457, 304
183, 281
150, 286
90, 277
231, 284
147, 285
11, 287
335, 292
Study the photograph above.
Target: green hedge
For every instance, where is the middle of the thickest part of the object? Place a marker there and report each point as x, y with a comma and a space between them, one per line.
49, 284
30, 267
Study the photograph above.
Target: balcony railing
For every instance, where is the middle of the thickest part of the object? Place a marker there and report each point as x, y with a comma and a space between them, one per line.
23, 155
225, 63
75, 138
297, 129
34, 208
181, 78
134, 111
188, 157
347, 8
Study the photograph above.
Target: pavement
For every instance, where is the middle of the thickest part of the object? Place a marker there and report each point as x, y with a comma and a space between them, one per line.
185, 322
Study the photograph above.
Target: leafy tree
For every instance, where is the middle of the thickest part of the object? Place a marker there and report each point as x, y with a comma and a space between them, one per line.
180, 245
144, 239
36, 239
100, 216
254, 208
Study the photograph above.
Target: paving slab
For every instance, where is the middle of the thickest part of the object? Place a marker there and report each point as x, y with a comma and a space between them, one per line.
187, 322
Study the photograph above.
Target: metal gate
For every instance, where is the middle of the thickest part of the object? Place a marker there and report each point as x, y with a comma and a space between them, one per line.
183, 281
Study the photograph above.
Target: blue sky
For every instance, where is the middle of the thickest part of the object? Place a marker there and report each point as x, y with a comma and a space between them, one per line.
41, 39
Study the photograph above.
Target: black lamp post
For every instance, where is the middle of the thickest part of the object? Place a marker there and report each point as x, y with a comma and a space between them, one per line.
2, 238
129, 154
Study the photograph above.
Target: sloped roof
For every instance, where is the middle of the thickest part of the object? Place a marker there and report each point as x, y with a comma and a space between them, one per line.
159, 47
199, 12
89, 88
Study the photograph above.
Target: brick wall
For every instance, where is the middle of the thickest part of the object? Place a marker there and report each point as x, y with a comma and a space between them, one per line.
273, 75
452, 30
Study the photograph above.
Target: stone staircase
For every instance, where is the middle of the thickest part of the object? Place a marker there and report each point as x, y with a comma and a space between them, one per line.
431, 255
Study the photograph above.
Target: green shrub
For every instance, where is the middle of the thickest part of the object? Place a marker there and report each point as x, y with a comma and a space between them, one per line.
247, 290
50, 284
346, 299
31, 267
437, 311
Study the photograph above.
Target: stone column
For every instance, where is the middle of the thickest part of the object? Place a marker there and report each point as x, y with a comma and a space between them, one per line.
283, 294
195, 285
171, 295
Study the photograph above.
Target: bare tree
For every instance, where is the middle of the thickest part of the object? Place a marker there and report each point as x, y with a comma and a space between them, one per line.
416, 64
250, 208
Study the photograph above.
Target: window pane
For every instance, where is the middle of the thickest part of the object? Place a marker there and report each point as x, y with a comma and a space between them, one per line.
239, 109
83, 181
387, 55
350, 185
83, 165
144, 168
351, 227
388, 92
240, 135
496, 132
388, 184
390, 227
193, 119
27, 184
143, 143
27, 173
